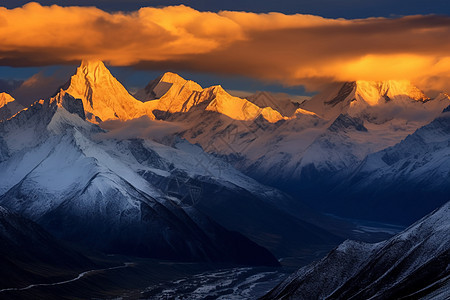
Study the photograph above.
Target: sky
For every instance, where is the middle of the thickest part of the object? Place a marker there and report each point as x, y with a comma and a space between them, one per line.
242, 45
350, 9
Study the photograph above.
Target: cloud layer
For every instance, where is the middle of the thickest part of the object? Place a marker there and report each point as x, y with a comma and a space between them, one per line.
292, 49
141, 128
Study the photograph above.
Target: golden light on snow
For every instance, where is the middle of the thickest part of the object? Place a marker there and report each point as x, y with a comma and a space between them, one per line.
293, 49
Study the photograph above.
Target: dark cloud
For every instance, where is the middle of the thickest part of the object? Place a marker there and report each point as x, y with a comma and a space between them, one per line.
142, 127
39, 86
8, 85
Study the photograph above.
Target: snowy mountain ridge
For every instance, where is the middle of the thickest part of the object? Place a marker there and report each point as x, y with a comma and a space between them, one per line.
104, 98
369, 99
309, 140
411, 171
281, 103
374, 92
412, 264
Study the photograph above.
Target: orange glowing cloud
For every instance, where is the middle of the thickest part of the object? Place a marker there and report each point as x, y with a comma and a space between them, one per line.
292, 49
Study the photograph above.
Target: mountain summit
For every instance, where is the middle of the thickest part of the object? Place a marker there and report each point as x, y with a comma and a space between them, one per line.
376, 92
357, 97
280, 102
163, 84
104, 97
5, 98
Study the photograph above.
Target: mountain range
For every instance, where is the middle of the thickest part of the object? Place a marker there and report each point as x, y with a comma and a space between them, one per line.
317, 147
413, 264
136, 196
181, 172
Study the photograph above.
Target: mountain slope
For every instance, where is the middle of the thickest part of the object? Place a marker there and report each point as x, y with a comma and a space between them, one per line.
412, 176
280, 103
412, 264
185, 101
29, 254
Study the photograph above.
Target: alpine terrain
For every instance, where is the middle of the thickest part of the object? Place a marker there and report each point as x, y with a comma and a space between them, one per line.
414, 264
139, 197
315, 148
229, 150
181, 173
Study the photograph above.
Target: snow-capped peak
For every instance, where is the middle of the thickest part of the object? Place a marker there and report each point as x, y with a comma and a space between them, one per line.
278, 101
95, 70
169, 85
103, 96
237, 108
301, 111
364, 98
374, 92
173, 94
5, 98
172, 78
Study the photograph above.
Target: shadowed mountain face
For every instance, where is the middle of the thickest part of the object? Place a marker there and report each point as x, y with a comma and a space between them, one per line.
413, 264
29, 254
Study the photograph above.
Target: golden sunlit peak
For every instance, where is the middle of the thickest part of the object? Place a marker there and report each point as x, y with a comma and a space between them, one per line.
172, 78
104, 97
94, 70
92, 64
5, 98
373, 91
218, 89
